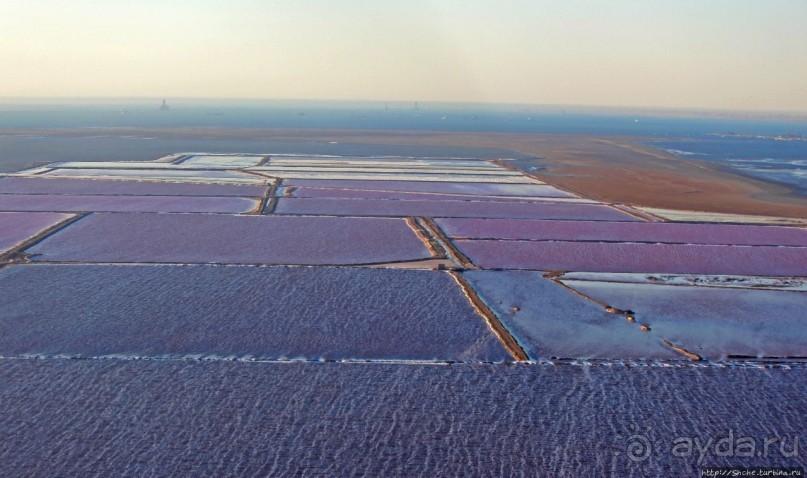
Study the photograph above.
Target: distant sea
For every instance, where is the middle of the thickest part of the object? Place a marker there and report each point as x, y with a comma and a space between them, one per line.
765, 158
749, 150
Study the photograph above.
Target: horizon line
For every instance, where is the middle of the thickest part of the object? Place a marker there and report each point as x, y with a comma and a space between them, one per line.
714, 111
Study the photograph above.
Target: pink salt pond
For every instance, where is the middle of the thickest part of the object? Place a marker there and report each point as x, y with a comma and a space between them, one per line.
538, 230
56, 185
488, 189
392, 208
77, 203
336, 193
16, 227
633, 257
199, 238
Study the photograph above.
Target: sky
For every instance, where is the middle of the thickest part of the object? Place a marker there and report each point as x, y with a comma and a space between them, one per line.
716, 54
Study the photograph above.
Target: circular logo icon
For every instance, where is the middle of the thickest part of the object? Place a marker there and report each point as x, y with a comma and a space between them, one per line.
638, 448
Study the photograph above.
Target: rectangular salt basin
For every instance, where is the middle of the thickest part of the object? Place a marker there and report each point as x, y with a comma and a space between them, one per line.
367, 166
393, 208
380, 169
200, 418
714, 323
624, 232
162, 175
550, 321
632, 257
16, 227
308, 192
485, 189
191, 162
699, 280
202, 238
221, 161
76, 203
53, 185
375, 161
267, 313
367, 175
124, 165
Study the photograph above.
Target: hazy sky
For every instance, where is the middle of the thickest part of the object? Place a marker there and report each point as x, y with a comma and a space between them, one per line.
733, 54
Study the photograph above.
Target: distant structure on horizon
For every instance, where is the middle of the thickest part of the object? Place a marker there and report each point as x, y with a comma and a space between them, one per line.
164, 106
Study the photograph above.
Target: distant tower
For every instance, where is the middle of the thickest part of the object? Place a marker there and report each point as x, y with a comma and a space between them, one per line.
164, 106
416, 105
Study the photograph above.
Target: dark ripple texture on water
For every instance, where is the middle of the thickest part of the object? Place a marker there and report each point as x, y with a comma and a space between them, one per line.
169, 418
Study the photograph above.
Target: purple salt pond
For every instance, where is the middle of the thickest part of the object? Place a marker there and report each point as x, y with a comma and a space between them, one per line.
631, 257
265, 313
307, 192
381, 207
487, 189
202, 238
46, 185
628, 257
713, 322
220, 418
623, 232
16, 227
76, 203
222, 176
550, 321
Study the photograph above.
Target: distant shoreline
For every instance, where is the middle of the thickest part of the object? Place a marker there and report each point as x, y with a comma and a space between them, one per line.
611, 169
641, 111
725, 161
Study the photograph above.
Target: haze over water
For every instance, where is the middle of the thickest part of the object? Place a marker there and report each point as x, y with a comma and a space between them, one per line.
685, 136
